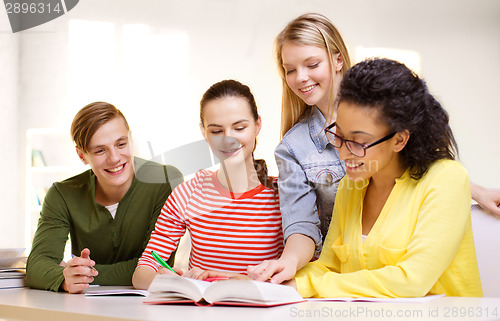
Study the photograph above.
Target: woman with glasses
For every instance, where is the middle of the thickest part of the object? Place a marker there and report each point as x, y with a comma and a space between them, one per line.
312, 59
401, 223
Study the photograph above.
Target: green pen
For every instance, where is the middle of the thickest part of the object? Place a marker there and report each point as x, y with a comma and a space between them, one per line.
161, 261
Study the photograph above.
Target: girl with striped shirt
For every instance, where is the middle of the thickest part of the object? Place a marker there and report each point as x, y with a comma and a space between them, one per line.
233, 214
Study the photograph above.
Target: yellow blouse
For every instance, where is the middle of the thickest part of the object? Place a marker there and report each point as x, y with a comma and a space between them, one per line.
421, 243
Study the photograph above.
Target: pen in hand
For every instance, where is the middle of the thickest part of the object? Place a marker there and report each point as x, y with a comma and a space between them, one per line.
161, 261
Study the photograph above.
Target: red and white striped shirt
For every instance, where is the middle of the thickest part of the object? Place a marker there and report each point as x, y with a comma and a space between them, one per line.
228, 231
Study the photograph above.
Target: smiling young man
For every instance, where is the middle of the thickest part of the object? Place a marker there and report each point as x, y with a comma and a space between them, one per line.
109, 210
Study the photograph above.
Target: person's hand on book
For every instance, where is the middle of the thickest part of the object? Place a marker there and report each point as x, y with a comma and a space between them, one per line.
194, 273
291, 283
79, 273
219, 274
487, 198
274, 271
163, 270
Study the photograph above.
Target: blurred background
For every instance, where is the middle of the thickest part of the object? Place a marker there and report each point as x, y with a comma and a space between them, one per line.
153, 59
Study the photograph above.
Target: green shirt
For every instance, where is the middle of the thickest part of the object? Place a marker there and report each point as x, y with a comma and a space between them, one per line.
115, 244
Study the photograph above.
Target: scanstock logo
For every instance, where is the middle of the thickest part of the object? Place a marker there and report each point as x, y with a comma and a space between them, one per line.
26, 14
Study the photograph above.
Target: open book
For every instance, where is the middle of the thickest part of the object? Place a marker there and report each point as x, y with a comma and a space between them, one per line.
176, 289
12, 257
114, 290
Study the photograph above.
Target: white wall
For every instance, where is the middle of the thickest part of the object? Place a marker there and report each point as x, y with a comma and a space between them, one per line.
11, 227
459, 44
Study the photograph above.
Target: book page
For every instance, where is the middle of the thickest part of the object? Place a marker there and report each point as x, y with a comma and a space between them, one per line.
249, 291
11, 252
177, 286
11, 257
115, 290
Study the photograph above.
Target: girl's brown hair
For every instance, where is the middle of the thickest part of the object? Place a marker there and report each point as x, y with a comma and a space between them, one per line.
233, 88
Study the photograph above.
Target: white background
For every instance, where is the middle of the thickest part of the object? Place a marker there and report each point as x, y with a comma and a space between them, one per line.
153, 59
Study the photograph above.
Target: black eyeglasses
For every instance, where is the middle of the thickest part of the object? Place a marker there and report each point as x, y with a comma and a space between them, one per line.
355, 148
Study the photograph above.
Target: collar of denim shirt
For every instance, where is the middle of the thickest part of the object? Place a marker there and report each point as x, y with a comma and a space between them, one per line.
317, 124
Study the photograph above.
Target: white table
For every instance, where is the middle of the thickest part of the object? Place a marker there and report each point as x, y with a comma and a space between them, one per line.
28, 304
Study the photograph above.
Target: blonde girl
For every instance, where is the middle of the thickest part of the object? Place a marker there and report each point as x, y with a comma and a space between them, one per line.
312, 59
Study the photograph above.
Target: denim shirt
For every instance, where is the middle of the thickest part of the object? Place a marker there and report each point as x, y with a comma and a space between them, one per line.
309, 173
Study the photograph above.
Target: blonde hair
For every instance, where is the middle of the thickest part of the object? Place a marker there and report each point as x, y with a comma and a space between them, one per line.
311, 29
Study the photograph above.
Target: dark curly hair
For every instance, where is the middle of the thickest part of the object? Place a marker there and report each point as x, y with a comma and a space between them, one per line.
404, 103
